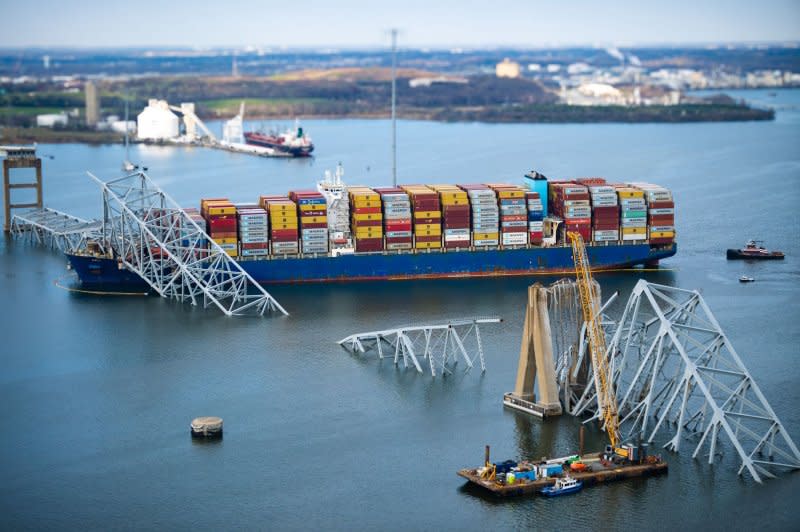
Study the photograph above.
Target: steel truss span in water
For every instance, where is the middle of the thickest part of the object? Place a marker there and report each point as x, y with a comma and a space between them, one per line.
441, 344
154, 237
674, 366
55, 229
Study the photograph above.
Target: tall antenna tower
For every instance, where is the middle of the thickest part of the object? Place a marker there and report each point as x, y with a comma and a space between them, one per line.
394, 107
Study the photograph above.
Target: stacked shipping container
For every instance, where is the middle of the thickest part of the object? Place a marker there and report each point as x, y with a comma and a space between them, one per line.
367, 219
571, 202
633, 213
220, 217
535, 217
427, 212
396, 218
253, 231
455, 216
513, 214
283, 224
605, 213
313, 220
485, 215
660, 213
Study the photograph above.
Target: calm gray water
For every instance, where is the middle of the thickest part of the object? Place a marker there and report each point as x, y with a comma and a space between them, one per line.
98, 392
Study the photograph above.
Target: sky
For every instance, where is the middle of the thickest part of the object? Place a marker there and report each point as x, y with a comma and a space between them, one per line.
360, 23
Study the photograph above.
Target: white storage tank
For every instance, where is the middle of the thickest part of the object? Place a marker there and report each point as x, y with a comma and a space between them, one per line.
157, 122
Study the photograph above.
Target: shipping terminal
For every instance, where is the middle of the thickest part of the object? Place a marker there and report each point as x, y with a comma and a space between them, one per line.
356, 233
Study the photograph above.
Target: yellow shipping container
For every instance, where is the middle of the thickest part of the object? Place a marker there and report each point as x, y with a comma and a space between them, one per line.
634, 230
428, 232
662, 234
428, 227
225, 240
368, 216
629, 193
317, 207
427, 214
485, 236
510, 194
368, 234
218, 210
362, 203
232, 252
315, 219
428, 245
455, 201
285, 225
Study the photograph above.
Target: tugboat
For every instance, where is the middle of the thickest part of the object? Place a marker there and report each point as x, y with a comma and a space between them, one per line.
292, 142
752, 250
563, 486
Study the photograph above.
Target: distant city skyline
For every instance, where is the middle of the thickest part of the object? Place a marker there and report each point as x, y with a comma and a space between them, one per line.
363, 24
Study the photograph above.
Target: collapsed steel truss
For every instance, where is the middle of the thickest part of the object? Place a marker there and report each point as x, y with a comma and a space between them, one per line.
674, 364
440, 344
153, 237
55, 229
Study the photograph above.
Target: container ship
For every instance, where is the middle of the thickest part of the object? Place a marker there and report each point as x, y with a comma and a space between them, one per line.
356, 233
293, 141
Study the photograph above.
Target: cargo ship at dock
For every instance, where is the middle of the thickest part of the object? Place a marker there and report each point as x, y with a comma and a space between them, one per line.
340, 233
293, 142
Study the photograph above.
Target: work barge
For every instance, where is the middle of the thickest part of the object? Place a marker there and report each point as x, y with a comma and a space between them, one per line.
596, 472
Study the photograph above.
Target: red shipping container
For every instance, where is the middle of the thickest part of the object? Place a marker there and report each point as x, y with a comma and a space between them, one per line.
259, 245
317, 225
284, 232
418, 221
426, 205
366, 210
398, 240
431, 238
222, 223
397, 227
661, 204
662, 220
606, 226
661, 240
451, 245
513, 229
369, 244
367, 223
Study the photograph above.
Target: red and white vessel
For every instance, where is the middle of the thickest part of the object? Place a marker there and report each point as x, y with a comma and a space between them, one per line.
752, 250
293, 142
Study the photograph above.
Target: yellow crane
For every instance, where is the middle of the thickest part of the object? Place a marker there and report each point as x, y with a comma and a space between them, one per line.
597, 340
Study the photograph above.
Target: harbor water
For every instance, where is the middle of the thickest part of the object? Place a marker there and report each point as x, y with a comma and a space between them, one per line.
99, 391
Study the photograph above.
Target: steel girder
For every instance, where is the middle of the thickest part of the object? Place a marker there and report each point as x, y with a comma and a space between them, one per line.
155, 238
441, 344
55, 229
674, 366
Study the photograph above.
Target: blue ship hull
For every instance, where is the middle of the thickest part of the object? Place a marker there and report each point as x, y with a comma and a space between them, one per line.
108, 273
551, 491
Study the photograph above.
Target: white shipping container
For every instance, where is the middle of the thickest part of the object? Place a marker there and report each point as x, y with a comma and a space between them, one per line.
486, 242
456, 238
633, 237
662, 228
574, 190
514, 238
457, 231
601, 189
661, 212
577, 203
398, 245
398, 234
536, 226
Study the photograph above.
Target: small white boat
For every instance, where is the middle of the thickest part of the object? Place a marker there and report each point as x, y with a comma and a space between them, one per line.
746, 279
563, 486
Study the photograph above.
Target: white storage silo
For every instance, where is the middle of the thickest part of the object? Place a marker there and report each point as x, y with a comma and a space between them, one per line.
157, 122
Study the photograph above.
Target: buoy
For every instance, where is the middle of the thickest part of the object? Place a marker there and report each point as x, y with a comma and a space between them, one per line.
207, 427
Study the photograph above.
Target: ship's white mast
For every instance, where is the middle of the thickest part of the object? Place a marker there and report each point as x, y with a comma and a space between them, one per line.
394, 105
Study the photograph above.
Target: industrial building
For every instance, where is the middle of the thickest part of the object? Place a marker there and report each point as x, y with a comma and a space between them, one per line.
507, 69
52, 120
157, 122
92, 104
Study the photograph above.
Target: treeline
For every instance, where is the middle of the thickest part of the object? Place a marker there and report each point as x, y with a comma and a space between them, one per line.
606, 113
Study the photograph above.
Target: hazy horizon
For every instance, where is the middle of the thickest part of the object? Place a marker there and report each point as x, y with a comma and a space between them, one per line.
356, 24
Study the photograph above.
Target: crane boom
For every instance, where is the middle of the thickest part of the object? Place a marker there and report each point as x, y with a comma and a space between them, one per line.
597, 339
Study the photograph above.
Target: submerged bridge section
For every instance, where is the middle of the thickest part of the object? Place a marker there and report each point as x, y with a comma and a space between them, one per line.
154, 237
441, 344
56, 229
